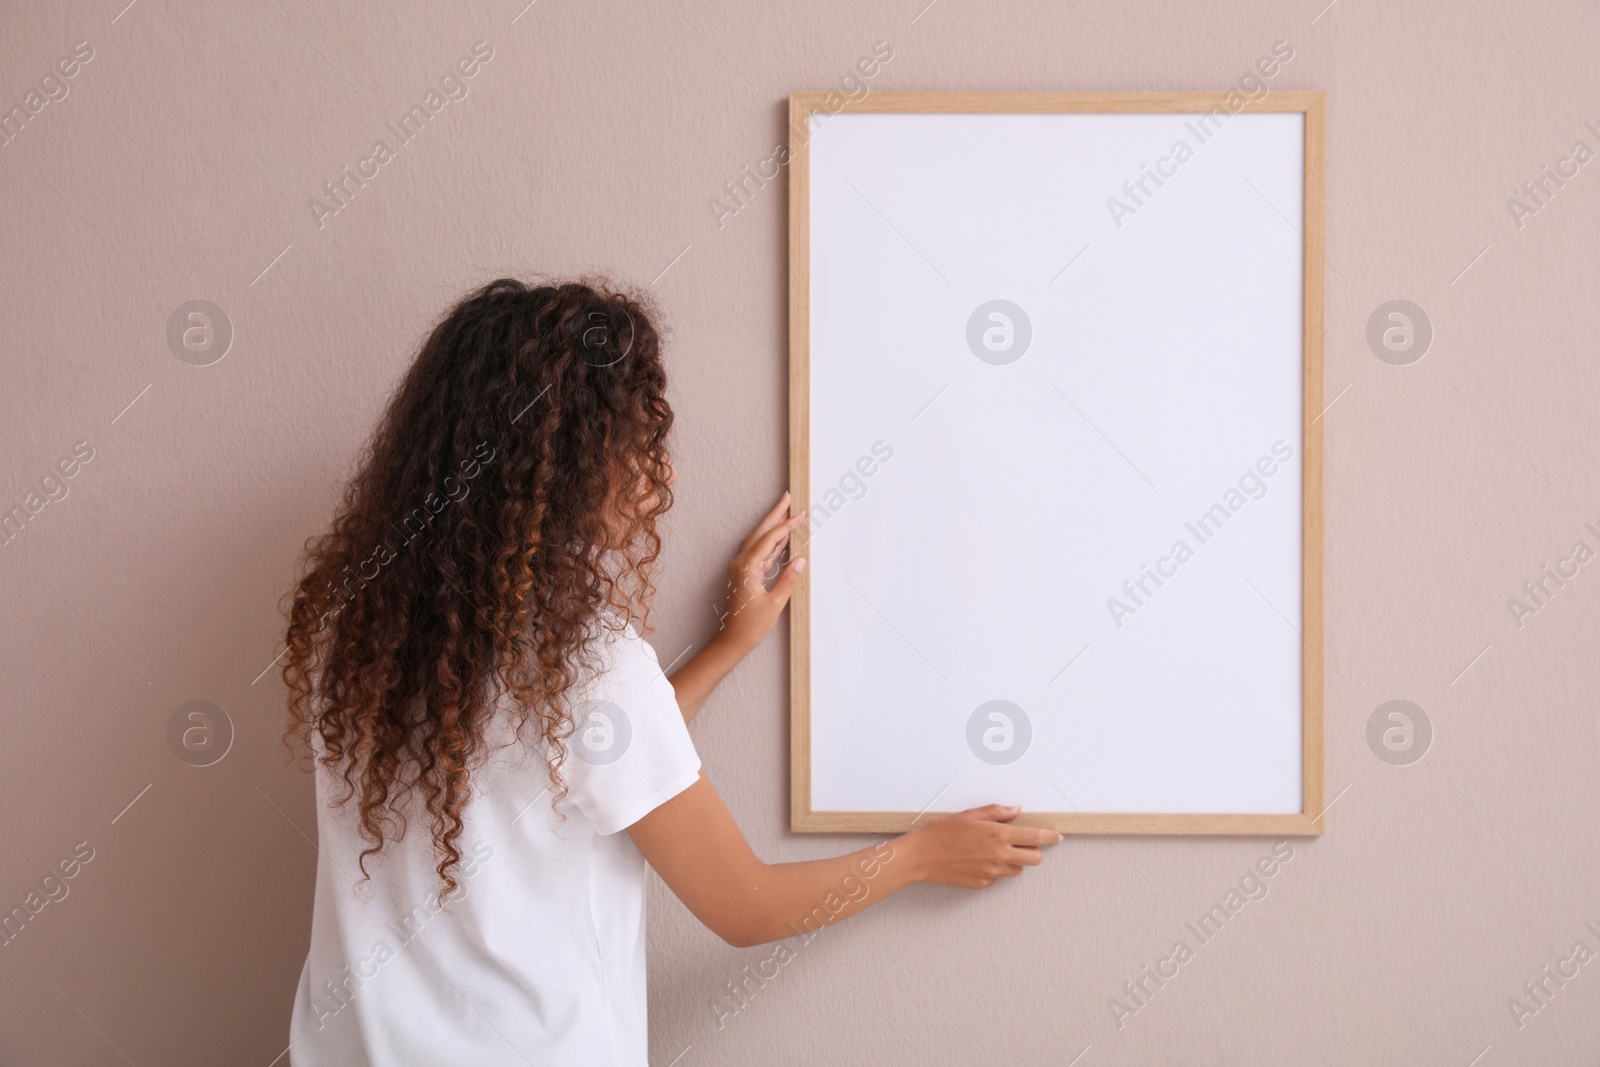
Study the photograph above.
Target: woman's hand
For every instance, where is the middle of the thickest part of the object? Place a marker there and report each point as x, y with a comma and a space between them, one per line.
747, 615
973, 848
751, 607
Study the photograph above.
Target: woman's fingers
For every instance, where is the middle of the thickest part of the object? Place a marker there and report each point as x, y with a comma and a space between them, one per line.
775, 598
751, 565
1030, 836
994, 813
773, 516
784, 587
979, 846
773, 541
767, 522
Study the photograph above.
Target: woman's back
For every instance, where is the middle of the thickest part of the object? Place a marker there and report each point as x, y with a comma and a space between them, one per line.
538, 955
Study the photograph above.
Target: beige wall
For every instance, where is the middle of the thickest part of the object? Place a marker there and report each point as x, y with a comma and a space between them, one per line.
180, 166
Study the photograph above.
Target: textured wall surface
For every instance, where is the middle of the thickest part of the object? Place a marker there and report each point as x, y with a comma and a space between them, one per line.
179, 162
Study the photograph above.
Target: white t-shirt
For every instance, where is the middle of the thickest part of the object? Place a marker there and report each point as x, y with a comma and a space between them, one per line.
540, 956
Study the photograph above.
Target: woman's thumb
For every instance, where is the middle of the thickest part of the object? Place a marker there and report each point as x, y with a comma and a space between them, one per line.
791, 575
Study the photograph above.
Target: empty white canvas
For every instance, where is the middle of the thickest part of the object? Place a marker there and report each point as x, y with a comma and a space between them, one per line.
975, 513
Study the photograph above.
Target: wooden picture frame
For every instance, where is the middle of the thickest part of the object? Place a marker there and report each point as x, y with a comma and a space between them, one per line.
1309, 821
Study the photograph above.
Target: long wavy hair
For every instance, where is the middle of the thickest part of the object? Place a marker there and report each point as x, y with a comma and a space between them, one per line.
504, 509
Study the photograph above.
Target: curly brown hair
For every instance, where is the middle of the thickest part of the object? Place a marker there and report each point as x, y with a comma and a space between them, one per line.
505, 507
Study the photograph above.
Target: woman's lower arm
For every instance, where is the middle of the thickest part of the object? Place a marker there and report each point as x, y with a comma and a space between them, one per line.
693, 682
790, 899
693, 843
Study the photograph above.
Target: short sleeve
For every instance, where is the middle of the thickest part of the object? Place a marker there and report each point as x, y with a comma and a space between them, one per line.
630, 750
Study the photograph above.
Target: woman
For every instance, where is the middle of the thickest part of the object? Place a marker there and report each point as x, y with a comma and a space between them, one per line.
497, 751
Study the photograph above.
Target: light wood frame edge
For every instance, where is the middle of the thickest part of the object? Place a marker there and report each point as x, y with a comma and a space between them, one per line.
1311, 563
1313, 105
1132, 103
1293, 824
800, 455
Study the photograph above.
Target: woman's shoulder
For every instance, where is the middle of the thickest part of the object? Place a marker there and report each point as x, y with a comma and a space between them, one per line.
617, 636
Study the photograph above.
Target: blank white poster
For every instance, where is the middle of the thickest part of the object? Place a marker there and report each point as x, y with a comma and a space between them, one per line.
1055, 456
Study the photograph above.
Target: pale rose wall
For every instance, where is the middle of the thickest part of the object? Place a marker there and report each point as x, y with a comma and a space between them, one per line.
179, 168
